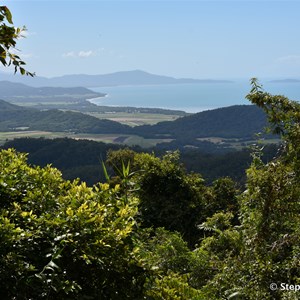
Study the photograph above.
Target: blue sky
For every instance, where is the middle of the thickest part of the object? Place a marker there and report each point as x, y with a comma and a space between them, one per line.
198, 39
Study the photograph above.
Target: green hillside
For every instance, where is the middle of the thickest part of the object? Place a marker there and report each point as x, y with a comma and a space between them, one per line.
208, 130
237, 121
13, 117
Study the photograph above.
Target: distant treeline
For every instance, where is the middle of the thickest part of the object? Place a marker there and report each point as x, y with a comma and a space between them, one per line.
82, 159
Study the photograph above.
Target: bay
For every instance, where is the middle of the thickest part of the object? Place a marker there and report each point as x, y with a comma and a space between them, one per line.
189, 97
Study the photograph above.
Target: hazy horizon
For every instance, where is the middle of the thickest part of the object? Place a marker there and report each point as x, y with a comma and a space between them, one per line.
233, 79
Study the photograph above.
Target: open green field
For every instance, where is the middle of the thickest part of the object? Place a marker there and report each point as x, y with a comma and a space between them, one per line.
123, 139
124, 117
135, 119
239, 144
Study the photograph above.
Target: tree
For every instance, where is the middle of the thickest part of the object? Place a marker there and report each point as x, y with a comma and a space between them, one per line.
263, 252
8, 40
169, 196
62, 240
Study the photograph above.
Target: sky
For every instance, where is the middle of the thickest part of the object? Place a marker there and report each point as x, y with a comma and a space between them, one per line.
194, 39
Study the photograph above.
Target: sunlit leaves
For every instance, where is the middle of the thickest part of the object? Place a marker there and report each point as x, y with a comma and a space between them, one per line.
62, 230
9, 36
5, 13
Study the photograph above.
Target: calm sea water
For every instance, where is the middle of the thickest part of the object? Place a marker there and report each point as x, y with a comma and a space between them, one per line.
189, 97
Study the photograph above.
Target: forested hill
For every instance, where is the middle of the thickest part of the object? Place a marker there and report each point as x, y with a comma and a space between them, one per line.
13, 117
237, 121
8, 107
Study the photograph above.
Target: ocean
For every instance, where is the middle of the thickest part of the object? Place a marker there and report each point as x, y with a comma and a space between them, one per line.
189, 97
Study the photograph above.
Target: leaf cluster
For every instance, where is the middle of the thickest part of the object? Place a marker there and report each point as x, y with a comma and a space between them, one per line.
8, 40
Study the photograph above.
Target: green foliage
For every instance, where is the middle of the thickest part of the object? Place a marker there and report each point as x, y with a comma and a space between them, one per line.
172, 198
169, 197
8, 40
64, 240
173, 287
262, 250
81, 159
165, 251
223, 198
75, 158
169, 258
211, 259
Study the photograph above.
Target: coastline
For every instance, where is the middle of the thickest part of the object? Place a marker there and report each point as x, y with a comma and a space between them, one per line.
96, 98
190, 98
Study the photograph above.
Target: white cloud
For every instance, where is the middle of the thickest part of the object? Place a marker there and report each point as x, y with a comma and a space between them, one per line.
69, 54
79, 54
85, 53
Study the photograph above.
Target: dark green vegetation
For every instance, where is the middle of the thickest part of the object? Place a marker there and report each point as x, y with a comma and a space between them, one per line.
155, 231
74, 158
13, 117
239, 121
82, 158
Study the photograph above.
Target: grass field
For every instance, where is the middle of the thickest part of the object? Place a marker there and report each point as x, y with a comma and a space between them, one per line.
123, 139
130, 140
239, 144
135, 119
124, 117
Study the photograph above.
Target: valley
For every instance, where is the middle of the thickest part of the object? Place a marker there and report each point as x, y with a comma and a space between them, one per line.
214, 142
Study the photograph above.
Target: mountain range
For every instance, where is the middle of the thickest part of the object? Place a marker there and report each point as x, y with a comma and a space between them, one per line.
135, 77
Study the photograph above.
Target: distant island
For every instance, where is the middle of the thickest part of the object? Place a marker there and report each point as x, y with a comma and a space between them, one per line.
136, 77
288, 80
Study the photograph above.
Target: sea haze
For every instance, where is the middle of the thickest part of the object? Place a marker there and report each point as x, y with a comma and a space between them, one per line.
189, 97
